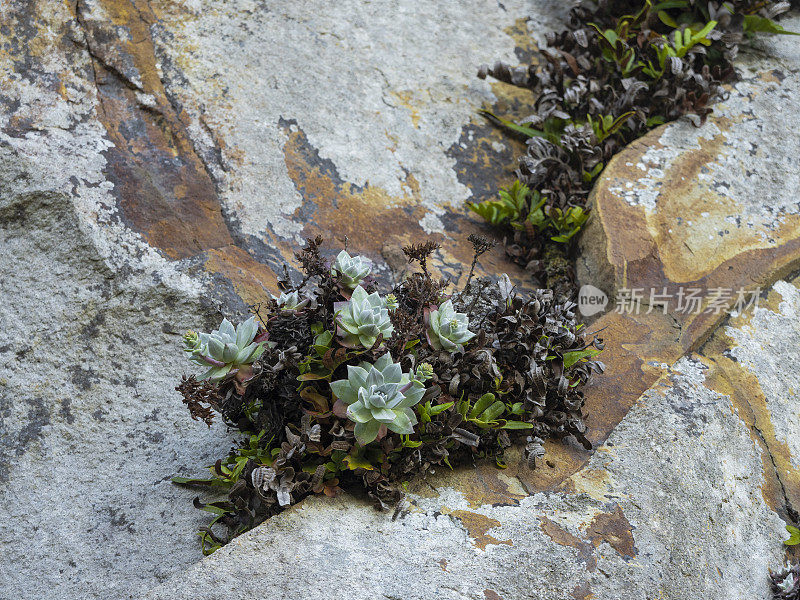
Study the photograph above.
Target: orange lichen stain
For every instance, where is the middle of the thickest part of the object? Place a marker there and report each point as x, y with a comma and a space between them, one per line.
592, 482
404, 99
252, 280
614, 529
582, 591
483, 485
443, 564
729, 377
477, 527
563, 537
526, 48
371, 218
162, 186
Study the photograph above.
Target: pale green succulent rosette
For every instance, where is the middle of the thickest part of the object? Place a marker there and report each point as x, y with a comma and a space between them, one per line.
291, 301
225, 350
351, 270
447, 329
362, 319
379, 395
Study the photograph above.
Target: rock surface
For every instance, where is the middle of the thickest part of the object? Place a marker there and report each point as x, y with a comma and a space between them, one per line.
159, 159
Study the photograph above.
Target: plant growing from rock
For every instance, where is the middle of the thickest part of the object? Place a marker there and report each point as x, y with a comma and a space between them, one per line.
446, 329
357, 389
786, 583
226, 351
378, 398
620, 69
351, 270
363, 319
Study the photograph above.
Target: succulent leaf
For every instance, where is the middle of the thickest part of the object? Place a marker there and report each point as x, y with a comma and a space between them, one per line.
351, 270
225, 350
291, 301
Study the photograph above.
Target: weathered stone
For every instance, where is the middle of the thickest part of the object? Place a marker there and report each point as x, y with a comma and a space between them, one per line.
711, 207
160, 158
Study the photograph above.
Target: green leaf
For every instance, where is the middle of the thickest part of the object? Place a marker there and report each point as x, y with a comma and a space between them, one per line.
794, 536
356, 461
666, 19
528, 131
410, 344
312, 376
570, 358
435, 410
494, 411
756, 24
407, 443
322, 342
517, 425
481, 405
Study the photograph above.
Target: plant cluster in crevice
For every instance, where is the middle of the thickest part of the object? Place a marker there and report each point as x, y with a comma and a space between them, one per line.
786, 583
622, 68
336, 384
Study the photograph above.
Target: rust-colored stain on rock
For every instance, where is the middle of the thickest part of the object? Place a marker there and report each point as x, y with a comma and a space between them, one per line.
253, 281
781, 488
562, 537
614, 529
372, 219
477, 527
162, 187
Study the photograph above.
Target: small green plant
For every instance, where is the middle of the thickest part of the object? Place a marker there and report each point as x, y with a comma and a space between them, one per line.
363, 318
786, 582
604, 126
447, 329
291, 301
567, 222
227, 350
513, 203
794, 536
523, 208
351, 270
379, 397
668, 50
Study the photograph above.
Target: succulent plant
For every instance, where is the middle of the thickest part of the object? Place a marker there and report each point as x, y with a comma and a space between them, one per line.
362, 319
786, 583
226, 350
291, 301
424, 372
447, 329
391, 302
378, 395
351, 270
